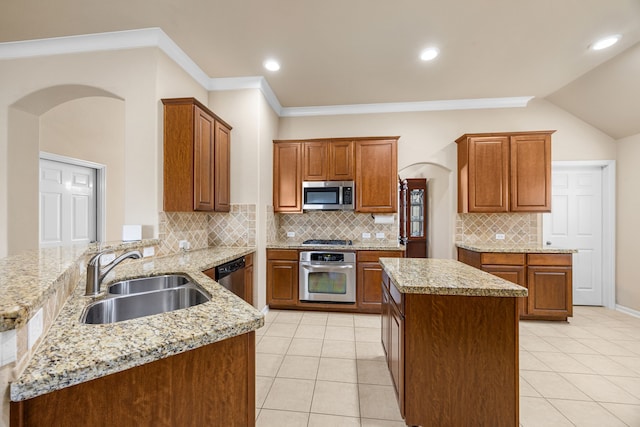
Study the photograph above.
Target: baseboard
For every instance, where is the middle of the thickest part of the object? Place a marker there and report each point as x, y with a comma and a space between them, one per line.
628, 310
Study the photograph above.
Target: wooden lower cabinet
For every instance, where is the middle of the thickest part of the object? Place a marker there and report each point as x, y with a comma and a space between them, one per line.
368, 277
548, 277
449, 365
212, 385
282, 278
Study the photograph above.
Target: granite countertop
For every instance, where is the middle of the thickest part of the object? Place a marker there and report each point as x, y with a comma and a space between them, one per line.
72, 352
446, 277
356, 246
513, 248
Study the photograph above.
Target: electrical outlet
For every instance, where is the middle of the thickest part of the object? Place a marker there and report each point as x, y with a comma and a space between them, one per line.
184, 245
499, 236
379, 235
366, 235
148, 251
291, 234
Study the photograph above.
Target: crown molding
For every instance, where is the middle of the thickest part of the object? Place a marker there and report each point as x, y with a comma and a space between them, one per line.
155, 37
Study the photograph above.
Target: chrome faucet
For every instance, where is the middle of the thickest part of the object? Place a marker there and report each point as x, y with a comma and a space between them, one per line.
95, 275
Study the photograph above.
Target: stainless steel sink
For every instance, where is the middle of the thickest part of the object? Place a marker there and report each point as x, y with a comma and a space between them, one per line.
117, 308
146, 284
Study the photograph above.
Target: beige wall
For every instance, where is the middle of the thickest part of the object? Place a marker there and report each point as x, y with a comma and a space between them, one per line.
92, 129
627, 223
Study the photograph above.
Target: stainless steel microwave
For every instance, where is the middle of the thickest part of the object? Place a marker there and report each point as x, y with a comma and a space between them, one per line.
328, 195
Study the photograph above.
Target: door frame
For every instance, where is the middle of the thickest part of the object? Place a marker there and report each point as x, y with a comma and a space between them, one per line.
101, 187
608, 223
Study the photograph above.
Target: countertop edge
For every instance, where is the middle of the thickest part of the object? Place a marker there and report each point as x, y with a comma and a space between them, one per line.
527, 249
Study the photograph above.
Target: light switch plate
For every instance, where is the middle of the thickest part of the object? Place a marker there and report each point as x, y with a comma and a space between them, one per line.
366, 235
8, 347
379, 235
148, 251
34, 328
291, 234
499, 236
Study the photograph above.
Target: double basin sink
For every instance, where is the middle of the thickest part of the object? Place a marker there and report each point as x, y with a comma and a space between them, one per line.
130, 299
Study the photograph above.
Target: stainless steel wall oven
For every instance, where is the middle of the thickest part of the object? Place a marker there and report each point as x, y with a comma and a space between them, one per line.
328, 276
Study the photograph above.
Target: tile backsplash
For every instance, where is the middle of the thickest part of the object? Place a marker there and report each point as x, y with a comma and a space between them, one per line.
333, 225
518, 228
204, 229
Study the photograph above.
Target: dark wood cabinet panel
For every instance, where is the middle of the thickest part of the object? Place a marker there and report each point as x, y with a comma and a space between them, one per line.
377, 176
368, 279
341, 160
316, 163
287, 177
196, 170
504, 172
282, 278
531, 173
248, 278
210, 385
550, 292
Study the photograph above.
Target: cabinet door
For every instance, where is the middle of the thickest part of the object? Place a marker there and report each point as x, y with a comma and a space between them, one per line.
396, 354
341, 163
222, 157
512, 273
385, 317
287, 177
488, 169
282, 278
203, 162
377, 176
550, 292
531, 173
369, 276
315, 160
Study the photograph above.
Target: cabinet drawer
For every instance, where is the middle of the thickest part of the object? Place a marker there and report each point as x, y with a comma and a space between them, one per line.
549, 259
373, 256
502, 258
286, 254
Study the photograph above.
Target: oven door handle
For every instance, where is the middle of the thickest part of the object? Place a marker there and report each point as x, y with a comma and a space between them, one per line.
325, 267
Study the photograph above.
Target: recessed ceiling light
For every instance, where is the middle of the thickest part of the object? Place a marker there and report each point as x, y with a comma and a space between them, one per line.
429, 54
606, 42
271, 65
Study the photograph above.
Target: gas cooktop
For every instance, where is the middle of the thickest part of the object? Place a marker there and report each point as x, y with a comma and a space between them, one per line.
327, 242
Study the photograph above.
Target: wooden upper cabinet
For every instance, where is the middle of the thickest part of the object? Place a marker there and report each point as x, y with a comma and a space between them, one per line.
316, 161
504, 172
341, 161
287, 176
377, 175
196, 158
531, 173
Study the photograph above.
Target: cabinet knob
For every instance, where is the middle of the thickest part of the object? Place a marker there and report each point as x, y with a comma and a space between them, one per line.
548, 243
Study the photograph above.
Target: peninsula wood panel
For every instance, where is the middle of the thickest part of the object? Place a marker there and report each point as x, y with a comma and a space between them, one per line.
213, 385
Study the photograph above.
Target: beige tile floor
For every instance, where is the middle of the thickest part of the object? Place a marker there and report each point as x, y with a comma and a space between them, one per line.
319, 369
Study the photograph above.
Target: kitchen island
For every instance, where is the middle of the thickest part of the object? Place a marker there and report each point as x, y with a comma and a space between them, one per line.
450, 333
193, 366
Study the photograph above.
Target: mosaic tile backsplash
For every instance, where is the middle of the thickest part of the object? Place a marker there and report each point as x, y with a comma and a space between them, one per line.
334, 225
518, 228
204, 229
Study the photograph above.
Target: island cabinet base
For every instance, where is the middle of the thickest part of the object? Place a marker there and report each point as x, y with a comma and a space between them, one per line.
458, 358
212, 385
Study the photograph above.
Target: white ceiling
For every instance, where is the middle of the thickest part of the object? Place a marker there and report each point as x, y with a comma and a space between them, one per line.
344, 52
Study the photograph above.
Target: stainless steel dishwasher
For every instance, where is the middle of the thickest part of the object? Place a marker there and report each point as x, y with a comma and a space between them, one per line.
231, 276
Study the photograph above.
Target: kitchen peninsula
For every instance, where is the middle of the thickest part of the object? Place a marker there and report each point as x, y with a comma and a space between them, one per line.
128, 373
450, 333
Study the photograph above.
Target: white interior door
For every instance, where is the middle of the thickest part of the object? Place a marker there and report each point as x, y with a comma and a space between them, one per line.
575, 222
67, 204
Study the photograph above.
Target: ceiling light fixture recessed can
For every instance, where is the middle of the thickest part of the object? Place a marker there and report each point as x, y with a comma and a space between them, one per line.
271, 65
429, 54
606, 42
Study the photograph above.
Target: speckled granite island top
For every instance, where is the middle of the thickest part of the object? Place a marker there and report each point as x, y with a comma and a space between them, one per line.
72, 352
513, 248
446, 277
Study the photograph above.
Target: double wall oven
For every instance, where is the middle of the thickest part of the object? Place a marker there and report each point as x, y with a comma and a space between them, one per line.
327, 276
